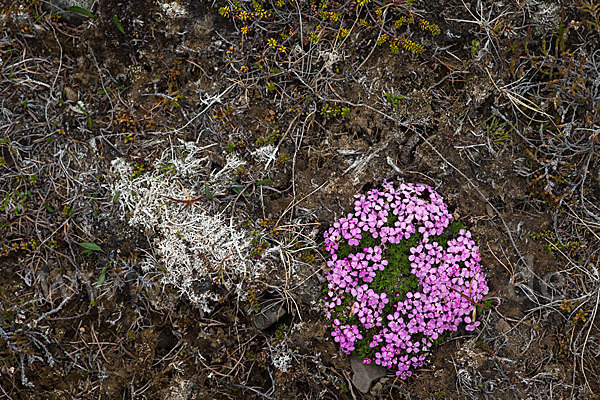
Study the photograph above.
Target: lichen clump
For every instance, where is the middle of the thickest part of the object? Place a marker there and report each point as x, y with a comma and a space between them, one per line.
194, 247
401, 274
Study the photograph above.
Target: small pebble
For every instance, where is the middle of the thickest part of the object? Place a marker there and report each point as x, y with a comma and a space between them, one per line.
71, 95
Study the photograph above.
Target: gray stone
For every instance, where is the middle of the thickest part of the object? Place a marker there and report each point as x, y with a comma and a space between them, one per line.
365, 374
376, 387
269, 315
502, 326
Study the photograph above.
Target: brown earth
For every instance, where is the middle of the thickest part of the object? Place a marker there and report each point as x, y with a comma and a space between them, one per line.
97, 325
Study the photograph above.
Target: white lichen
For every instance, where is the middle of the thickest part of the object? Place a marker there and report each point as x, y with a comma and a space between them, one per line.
193, 247
173, 9
281, 357
264, 153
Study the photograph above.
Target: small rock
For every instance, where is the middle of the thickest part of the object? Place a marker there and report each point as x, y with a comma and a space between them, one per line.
502, 326
365, 374
269, 315
71, 95
489, 210
376, 388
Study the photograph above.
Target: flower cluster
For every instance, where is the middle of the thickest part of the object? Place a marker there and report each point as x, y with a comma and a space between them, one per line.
401, 274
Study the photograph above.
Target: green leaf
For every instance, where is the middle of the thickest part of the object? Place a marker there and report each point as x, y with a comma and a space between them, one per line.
90, 246
78, 104
102, 276
206, 191
263, 182
82, 11
118, 24
105, 91
238, 189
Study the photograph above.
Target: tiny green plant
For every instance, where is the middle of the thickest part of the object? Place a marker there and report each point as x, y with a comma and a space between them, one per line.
474, 47
207, 193
263, 182
345, 112
280, 332
393, 99
333, 111
81, 11
592, 8
14, 202
102, 276
118, 24
238, 188
173, 97
89, 119
108, 90
497, 131
89, 247
67, 212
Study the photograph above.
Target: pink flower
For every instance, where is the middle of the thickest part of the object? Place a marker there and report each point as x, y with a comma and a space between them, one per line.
402, 325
